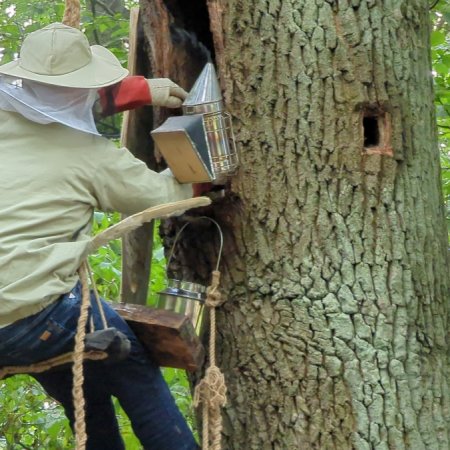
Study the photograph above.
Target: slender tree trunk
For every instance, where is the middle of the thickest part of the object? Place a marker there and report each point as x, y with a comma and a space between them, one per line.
334, 335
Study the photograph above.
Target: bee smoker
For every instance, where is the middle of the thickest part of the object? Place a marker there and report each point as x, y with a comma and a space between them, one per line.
205, 98
199, 146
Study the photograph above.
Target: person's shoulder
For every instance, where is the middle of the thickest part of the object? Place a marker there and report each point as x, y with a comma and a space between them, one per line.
99, 151
87, 142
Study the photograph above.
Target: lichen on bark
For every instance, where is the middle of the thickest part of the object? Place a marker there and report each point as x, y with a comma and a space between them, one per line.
334, 336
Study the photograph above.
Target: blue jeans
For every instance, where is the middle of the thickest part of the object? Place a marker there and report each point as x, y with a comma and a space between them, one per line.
136, 381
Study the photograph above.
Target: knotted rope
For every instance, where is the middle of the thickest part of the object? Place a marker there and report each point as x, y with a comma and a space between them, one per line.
211, 390
72, 13
77, 368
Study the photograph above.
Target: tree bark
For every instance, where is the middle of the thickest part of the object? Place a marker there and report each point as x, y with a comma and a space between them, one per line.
335, 266
168, 52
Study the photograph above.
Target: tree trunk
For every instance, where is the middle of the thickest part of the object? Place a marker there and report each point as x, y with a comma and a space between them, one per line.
334, 335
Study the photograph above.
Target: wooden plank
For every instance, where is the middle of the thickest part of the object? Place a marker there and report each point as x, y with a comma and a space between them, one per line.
169, 337
136, 126
128, 116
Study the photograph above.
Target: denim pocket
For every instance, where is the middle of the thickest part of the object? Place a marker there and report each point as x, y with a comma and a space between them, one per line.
55, 335
44, 335
39, 344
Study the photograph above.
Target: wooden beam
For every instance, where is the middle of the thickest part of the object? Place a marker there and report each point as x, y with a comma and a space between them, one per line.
136, 127
169, 337
129, 116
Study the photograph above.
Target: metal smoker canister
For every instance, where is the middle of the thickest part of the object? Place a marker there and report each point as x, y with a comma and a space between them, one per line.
185, 297
206, 98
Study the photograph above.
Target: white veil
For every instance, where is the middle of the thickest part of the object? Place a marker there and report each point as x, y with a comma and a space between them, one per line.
43, 103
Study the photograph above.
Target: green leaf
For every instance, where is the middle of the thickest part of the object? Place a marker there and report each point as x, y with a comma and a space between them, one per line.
437, 38
441, 68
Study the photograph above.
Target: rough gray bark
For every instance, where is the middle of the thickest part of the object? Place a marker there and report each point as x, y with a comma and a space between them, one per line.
335, 332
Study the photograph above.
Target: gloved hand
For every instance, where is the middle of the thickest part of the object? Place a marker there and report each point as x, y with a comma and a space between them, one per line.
165, 92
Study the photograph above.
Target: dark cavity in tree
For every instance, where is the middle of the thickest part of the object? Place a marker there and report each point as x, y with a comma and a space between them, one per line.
193, 17
371, 131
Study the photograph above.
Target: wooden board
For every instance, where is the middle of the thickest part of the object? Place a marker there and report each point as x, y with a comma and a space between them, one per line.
169, 337
128, 116
136, 127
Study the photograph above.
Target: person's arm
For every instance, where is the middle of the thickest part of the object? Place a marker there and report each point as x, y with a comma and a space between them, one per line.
125, 184
130, 93
135, 91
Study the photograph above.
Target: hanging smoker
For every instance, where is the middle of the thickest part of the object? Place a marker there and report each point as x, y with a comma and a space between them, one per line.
200, 146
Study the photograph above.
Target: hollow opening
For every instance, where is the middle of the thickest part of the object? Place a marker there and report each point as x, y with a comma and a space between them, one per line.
376, 130
193, 17
371, 131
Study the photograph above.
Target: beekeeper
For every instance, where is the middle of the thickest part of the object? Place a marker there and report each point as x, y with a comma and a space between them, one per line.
55, 171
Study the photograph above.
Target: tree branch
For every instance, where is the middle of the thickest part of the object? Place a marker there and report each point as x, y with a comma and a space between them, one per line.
434, 4
107, 8
25, 446
96, 36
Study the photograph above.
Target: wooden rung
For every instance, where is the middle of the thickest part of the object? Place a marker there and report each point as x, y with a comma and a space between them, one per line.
169, 337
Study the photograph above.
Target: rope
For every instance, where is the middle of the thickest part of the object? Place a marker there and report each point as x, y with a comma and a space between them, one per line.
77, 368
72, 13
211, 390
50, 363
71, 18
97, 299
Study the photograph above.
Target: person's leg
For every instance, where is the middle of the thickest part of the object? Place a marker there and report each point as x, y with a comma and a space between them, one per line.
136, 381
51, 333
156, 420
144, 395
101, 424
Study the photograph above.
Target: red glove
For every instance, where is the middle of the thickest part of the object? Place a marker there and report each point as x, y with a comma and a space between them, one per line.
135, 91
132, 92
201, 188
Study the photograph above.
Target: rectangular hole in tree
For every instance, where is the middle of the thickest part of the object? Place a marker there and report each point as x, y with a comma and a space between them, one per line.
376, 131
371, 132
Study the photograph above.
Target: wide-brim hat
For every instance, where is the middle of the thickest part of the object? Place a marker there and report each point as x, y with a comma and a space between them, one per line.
61, 56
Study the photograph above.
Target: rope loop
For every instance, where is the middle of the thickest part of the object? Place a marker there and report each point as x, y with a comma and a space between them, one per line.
211, 390
213, 296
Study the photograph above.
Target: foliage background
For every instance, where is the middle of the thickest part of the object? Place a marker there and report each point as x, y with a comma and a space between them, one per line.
29, 419
440, 52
